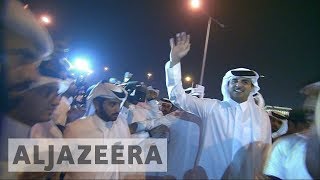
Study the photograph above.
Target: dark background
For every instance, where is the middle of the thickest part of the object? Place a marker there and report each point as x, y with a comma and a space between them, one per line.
278, 39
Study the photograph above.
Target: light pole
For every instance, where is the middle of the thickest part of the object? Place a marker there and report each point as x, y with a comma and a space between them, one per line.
195, 4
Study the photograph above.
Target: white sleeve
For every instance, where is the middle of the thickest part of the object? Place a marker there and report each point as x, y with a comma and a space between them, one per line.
176, 93
167, 120
276, 160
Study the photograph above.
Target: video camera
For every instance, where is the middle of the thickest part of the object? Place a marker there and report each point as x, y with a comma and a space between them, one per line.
137, 91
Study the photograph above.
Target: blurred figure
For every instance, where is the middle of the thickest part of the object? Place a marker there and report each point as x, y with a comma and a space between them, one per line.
31, 98
137, 112
180, 124
58, 68
152, 104
313, 146
229, 125
26, 44
60, 115
297, 122
287, 159
35, 104
55, 127
279, 122
279, 125
103, 120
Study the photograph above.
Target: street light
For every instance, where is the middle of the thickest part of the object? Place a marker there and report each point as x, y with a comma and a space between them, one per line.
189, 79
195, 4
149, 75
81, 65
105, 68
45, 19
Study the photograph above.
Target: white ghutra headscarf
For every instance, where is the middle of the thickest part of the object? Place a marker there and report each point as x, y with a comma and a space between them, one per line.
105, 90
239, 72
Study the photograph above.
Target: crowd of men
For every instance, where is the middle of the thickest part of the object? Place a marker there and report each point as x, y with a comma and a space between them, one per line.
207, 138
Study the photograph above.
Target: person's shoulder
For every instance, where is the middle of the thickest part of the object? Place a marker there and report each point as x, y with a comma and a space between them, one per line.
42, 126
80, 122
288, 141
78, 126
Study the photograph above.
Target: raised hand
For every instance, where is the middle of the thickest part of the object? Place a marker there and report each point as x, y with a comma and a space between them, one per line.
180, 48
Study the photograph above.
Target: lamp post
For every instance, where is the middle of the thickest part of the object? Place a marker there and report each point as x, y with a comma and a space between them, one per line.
195, 4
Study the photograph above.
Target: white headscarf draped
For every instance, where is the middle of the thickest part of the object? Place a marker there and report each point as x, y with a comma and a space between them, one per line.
260, 99
105, 90
228, 76
63, 85
150, 88
283, 128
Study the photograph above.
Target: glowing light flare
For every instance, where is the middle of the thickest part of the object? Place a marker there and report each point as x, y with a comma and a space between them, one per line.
195, 4
45, 19
188, 79
149, 75
82, 65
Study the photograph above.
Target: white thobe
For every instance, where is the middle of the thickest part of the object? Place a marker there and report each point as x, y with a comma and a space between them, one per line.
10, 128
142, 112
228, 124
183, 140
94, 127
154, 109
288, 158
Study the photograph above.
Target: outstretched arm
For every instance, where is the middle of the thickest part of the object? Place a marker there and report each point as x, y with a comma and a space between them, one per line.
180, 48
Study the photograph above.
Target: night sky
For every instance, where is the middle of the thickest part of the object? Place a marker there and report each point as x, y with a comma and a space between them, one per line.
278, 39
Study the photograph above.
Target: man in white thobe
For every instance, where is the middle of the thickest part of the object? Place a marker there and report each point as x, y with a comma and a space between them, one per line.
288, 156
230, 124
104, 120
184, 134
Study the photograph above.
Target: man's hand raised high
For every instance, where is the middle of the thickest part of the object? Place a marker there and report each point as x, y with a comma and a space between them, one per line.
180, 48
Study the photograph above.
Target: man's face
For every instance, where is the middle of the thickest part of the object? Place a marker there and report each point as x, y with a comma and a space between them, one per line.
108, 109
309, 106
38, 104
151, 95
275, 123
239, 89
165, 108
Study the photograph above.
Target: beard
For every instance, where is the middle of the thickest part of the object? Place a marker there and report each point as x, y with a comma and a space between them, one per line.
104, 116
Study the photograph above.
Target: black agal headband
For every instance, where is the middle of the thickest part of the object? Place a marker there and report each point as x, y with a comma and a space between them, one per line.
243, 73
